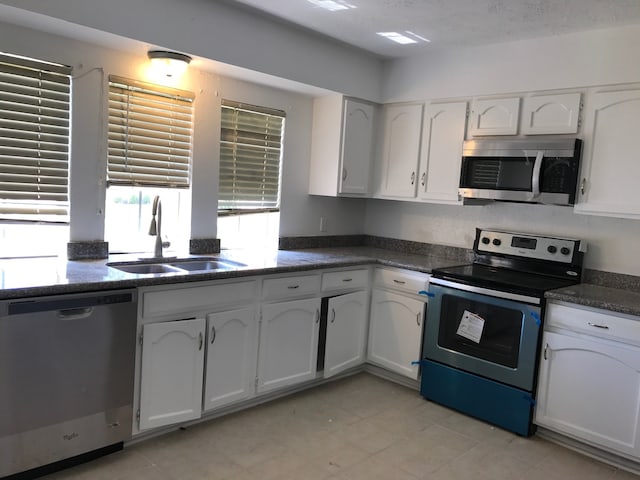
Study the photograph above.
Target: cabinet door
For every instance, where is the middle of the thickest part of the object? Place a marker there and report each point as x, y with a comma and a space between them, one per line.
494, 116
590, 390
441, 153
611, 166
542, 114
171, 375
346, 332
357, 145
232, 346
288, 343
400, 150
395, 332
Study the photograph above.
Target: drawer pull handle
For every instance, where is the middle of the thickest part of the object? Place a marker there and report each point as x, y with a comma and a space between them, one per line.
604, 327
213, 334
293, 287
400, 282
347, 279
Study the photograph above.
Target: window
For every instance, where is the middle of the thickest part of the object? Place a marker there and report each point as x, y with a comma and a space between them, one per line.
34, 139
250, 154
150, 134
250, 159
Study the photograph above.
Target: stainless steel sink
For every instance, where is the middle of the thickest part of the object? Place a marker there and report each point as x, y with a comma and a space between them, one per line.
184, 265
204, 265
147, 268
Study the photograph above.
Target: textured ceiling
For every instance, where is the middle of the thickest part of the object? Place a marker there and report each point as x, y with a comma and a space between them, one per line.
448, 23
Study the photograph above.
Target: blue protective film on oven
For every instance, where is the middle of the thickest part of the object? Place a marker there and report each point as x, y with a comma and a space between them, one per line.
536, 317
428, 294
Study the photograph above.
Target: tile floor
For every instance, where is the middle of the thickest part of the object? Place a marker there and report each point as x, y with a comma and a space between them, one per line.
361, 427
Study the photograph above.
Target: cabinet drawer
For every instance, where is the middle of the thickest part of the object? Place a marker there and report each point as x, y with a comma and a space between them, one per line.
345, 279
596, 323
192, 299
411, 282
290, 286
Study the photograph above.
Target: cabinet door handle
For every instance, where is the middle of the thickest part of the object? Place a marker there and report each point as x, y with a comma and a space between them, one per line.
597, 325
546, 347
418, 318
213, 334
583, 184
344, 174
317, 315
423, 178
293, 287
413, 178
400, 282
333, 315
201, 337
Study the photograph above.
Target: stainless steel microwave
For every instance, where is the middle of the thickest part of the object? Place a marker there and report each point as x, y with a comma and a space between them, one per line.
533, 170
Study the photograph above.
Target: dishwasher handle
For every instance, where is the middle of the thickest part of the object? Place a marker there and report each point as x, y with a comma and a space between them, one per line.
74, 313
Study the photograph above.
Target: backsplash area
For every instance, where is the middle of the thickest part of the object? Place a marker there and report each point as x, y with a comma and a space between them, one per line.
595, 277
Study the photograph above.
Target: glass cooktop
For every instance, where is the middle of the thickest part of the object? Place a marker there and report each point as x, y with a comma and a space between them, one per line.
503, 279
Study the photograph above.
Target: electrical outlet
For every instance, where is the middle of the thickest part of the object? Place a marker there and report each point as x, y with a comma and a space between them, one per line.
323, 224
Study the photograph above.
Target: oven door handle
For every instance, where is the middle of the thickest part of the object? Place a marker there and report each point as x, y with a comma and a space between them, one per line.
486, 291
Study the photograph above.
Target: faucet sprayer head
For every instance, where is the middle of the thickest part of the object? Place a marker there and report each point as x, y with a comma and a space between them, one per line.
153, 230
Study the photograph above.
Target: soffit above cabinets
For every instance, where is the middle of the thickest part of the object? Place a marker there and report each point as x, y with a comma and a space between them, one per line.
456, 23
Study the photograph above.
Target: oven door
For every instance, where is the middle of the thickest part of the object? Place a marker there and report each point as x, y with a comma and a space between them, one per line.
485, 332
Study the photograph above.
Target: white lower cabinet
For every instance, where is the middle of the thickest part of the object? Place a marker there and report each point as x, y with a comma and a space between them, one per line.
232, 346
346, 332
171, 373
288, 343
589, 388
395, 332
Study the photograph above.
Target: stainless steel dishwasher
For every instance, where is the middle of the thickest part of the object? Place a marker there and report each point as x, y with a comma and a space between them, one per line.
66, 379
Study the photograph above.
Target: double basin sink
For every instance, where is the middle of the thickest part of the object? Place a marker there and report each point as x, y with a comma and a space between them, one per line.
176, 265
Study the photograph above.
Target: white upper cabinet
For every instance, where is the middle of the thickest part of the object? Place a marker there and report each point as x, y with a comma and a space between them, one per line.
494, 116
551, 114
402, 128
341, 146
610, 161
441, 153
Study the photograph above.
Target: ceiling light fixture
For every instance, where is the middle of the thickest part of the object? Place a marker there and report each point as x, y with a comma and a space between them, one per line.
169, 64
403, 39
332, 5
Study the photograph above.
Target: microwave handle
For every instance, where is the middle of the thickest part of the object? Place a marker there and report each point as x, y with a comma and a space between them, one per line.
535, 177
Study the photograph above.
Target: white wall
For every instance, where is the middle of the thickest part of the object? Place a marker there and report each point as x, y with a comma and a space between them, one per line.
593, 58
218, 31
91, 66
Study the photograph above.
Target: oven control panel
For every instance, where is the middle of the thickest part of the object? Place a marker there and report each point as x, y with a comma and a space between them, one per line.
527, 245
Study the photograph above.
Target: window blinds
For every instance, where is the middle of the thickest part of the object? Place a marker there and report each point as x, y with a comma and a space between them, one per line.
150, 130
34, 139
250, 151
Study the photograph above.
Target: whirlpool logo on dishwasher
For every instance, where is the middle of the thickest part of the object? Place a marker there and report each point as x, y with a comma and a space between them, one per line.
71, 436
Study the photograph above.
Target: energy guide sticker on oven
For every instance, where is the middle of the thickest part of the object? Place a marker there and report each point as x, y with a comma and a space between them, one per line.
471, 326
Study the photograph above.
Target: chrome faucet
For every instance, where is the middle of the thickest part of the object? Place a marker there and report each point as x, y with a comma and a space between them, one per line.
156, 227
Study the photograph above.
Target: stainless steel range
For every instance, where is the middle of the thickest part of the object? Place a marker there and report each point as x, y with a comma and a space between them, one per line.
484, 323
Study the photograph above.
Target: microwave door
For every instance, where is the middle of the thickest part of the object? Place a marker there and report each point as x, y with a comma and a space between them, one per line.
511, 178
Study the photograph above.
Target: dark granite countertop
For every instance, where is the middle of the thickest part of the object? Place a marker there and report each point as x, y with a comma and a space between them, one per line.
598, 296
48, 276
